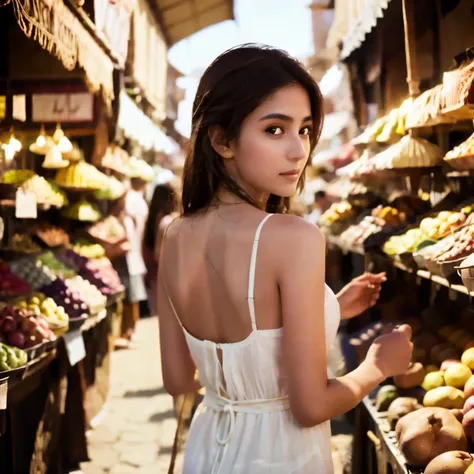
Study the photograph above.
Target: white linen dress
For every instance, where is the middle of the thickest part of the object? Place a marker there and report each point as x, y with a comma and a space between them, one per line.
251, 430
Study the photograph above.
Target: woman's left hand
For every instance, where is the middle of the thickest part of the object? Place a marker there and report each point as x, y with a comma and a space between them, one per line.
360, 294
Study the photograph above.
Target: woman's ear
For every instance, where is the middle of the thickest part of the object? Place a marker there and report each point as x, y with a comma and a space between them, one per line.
219, 142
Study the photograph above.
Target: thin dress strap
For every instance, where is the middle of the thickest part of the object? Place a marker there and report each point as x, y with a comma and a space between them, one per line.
253, 264
163, 276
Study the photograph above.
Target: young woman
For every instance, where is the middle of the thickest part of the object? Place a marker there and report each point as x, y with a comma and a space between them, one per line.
242, 297
163, 207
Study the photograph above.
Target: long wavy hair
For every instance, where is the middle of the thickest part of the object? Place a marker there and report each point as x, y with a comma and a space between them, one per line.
232, 87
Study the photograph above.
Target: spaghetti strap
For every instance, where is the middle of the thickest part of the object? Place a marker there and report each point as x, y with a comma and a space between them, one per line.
161, 269
253, 264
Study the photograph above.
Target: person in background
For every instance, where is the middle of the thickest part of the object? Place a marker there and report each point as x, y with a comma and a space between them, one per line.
321, 205
134, 218
163, 209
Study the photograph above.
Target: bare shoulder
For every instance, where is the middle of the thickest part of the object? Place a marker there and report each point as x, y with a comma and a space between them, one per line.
294, 243
295, 231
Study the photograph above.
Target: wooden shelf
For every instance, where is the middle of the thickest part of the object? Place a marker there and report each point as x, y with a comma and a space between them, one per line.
388, 439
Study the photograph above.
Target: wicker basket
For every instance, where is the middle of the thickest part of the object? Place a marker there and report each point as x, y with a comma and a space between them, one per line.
458, 93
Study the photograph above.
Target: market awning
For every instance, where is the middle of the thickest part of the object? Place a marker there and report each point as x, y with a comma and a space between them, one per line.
353, 20
137, 126
182, 18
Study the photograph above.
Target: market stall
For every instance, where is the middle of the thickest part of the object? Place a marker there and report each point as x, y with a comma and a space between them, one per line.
60, 297
409, 213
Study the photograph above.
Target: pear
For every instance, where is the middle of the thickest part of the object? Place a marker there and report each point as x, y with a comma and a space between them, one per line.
433, 380
444, 397
468, 358
456, 375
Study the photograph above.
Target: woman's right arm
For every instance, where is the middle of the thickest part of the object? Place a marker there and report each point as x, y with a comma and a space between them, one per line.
301, 277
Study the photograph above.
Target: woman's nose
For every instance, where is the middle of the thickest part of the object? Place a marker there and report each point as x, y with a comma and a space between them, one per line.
297, 149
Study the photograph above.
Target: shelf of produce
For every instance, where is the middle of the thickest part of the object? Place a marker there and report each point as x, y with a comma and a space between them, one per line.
387, 438
34, 367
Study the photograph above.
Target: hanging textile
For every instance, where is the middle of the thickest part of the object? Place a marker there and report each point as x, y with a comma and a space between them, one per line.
353, 20
57, 30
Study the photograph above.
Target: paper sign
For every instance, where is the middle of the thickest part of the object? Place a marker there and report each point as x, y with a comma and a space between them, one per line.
19, 107
25, 205
76, 350
3, 393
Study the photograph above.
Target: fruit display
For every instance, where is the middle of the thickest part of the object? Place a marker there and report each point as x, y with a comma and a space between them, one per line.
52, 236
11, 358
108, 230
17, 177
33, 272
72, 303
10, 283
23, 328
87, 249
338, 214
103, 275
460, 245
45, 192
430, 229
426, 433
381, 217
81, 175
41, 305
23, 243
113, 189
88, 293
83, 211
56, 266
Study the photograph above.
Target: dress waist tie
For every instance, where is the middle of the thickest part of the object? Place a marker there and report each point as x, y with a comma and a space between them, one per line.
226, 424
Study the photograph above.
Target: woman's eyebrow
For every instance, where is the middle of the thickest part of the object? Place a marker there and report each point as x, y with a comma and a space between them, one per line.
285, 118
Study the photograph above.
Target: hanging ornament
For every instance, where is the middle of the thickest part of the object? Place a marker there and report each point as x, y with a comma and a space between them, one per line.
64, 144
42, 144
54, 159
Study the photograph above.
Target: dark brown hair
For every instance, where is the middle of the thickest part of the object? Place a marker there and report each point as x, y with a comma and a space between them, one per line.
232, 87
163, 202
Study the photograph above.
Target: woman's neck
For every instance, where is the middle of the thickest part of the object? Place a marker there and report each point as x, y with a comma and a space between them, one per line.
225, 197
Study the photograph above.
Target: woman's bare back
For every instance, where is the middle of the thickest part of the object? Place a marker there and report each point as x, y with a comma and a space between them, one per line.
207, 261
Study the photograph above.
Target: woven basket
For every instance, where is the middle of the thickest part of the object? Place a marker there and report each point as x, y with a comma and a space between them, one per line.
458, 93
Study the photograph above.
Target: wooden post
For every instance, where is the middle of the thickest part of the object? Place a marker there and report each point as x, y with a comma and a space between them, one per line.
410, 47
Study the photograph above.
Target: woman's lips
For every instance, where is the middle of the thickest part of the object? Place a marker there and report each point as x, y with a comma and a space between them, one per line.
292, 175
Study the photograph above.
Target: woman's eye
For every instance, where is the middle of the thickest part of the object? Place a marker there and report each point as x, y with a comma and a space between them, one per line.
305, 131
274, 130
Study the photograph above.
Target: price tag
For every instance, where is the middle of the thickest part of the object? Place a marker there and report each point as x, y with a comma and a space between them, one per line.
25, 205
76, 350
3, 393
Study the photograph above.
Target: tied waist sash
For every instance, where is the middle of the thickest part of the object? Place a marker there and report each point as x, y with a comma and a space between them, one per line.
227, 410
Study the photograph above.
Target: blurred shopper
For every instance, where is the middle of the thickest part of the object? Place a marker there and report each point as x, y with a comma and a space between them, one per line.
320, 206
241, 292
163, 209
132, 212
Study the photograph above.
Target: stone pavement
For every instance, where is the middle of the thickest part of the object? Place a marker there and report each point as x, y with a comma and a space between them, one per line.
137, 432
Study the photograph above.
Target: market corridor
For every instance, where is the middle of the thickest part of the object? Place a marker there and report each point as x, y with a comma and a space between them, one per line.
137, 431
